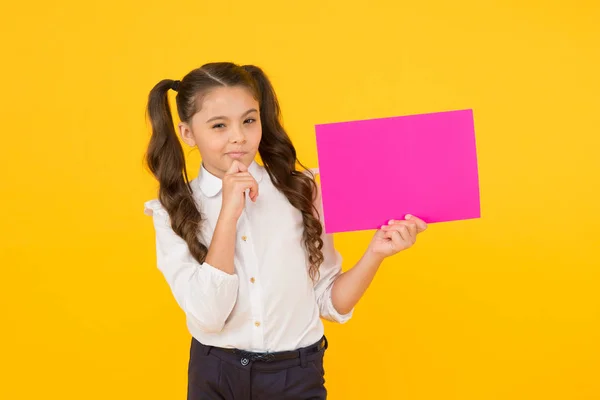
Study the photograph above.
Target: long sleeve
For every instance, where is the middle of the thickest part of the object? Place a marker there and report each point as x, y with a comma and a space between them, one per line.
328, 272
203, 292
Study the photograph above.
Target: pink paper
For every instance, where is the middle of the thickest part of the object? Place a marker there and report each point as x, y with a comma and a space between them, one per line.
380, 169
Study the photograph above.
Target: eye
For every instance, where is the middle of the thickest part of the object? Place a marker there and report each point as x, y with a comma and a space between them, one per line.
249, 121
218, 126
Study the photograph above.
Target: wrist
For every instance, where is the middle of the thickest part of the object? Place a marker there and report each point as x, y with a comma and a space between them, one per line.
227, 219
373, 258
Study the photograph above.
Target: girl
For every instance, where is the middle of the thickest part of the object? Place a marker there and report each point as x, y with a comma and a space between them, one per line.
242, 245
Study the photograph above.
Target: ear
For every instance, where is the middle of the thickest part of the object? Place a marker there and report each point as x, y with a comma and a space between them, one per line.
185, 131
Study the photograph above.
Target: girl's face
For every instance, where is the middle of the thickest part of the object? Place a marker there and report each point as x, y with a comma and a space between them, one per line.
226, 128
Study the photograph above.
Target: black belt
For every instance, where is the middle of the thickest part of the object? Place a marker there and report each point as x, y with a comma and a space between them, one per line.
279, 355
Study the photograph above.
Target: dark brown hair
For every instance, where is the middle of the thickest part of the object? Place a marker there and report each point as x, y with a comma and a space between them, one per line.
165, 157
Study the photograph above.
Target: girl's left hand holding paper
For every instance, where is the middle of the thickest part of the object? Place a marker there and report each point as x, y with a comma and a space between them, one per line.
396, 236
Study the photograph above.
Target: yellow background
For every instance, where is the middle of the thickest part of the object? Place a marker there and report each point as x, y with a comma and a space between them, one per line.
504, 307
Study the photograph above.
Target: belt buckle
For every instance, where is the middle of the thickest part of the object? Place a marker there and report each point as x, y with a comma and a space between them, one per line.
247, 355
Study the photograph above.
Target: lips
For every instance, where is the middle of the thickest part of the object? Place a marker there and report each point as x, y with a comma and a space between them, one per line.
236, 154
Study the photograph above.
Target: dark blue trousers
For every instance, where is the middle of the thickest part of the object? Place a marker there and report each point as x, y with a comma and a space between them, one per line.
218, 374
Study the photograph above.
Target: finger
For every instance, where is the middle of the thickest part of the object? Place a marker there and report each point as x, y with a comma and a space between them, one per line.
412, 230
242, 184
253, 190
234, 168
410, 224
241, 175
241, 166
248, 183
421, 225
397, 242
401, 229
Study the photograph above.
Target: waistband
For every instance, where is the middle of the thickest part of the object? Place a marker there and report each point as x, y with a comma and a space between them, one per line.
245, 357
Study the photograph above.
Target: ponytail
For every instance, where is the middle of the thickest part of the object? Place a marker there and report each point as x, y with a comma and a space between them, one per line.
166, 161
279, 156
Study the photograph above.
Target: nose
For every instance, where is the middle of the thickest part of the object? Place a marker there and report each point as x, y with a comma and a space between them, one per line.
237, 136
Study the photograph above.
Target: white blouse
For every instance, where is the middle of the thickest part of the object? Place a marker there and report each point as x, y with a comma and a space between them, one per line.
270, 303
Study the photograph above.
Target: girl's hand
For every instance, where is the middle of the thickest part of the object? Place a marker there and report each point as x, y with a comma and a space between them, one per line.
396, 236
236, 181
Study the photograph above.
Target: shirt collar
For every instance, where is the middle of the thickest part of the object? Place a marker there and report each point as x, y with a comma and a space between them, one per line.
210, 185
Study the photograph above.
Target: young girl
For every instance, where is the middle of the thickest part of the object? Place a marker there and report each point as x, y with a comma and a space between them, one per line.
242, 246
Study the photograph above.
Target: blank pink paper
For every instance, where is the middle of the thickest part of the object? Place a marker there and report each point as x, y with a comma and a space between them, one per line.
381, 169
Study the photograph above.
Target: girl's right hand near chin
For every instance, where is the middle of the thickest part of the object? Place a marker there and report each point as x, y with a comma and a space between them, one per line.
236, 181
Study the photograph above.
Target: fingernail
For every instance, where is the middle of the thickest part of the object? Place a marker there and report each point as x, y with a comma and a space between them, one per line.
383, 226
408, 216
391, 221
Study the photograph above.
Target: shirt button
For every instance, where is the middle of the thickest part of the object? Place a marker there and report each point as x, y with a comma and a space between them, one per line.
244, 238
257, 323
252, 279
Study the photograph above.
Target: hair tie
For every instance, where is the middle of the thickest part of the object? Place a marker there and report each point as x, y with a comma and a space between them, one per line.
175, 85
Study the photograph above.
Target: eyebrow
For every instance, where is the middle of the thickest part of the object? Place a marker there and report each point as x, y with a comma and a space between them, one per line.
223, 117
